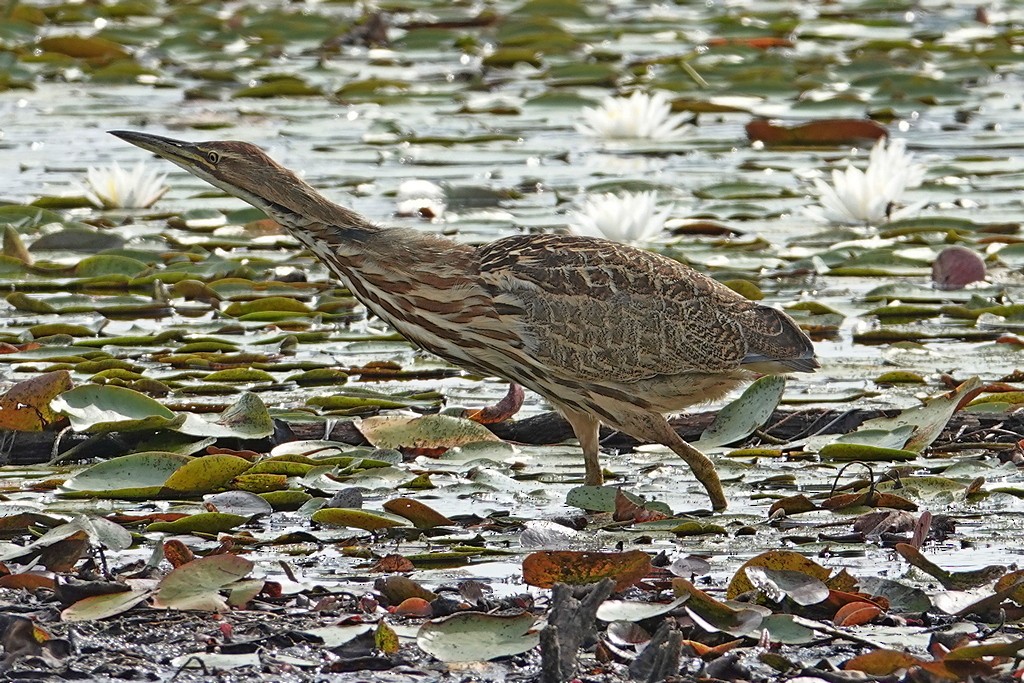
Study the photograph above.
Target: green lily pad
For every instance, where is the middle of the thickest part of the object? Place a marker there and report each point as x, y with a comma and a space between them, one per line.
242, 375
357, 519
739, 419
428, 431
106, 408
135, 476
247, 418
197, 584
206, 473
103, 606
210, 523
478, 637
847, 452
107, 264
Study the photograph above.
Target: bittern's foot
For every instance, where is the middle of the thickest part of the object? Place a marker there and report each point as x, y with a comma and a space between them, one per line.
705, 472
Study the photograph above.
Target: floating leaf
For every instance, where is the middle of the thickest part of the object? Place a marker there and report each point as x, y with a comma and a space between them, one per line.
428, 432
210, 523
901, 598
786, 628
776, 584
104, 606
422, 516
716, 615
628, 610
546, 568
136, 476
961, 581
883, 662
856, 614
830, 132
281, 87
1009, 650
357, 519
740, 418
260, 483
106, 408
848, 452
605, 499
928, 420
25, 407
774, 559
477, 637
102, 265
197, 585
247, 418
206, 473
241, 375
92, 48
385, 639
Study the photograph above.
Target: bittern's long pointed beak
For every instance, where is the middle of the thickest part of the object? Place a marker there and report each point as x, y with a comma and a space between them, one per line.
180, 152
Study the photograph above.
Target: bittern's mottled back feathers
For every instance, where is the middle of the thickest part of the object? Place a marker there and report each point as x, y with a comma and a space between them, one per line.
603, 311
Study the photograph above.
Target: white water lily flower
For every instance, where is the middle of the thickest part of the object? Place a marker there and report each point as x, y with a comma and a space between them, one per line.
857, 196
639, 116
420, 198
112, 187
631, 218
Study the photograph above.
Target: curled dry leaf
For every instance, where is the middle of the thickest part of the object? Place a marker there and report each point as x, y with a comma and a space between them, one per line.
177, 553
504, 409
413, 607
856, 614
628, 511
421, 515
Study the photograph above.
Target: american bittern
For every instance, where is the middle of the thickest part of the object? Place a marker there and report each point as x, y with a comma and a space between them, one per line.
606, 333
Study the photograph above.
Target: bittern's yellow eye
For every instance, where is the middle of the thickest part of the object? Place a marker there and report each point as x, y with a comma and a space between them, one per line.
213, 157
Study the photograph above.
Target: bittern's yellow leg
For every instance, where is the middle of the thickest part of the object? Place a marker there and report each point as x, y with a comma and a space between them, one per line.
587, 430
654, 427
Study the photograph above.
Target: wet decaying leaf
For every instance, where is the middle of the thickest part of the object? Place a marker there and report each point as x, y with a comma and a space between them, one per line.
421, 515
776, 560
474, 636
25, 407
545, 569
829, 132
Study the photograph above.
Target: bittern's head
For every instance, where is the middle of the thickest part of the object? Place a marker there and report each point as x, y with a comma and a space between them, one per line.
239, 168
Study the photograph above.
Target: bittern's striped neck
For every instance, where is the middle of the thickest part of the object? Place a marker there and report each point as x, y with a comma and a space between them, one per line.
245, 171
